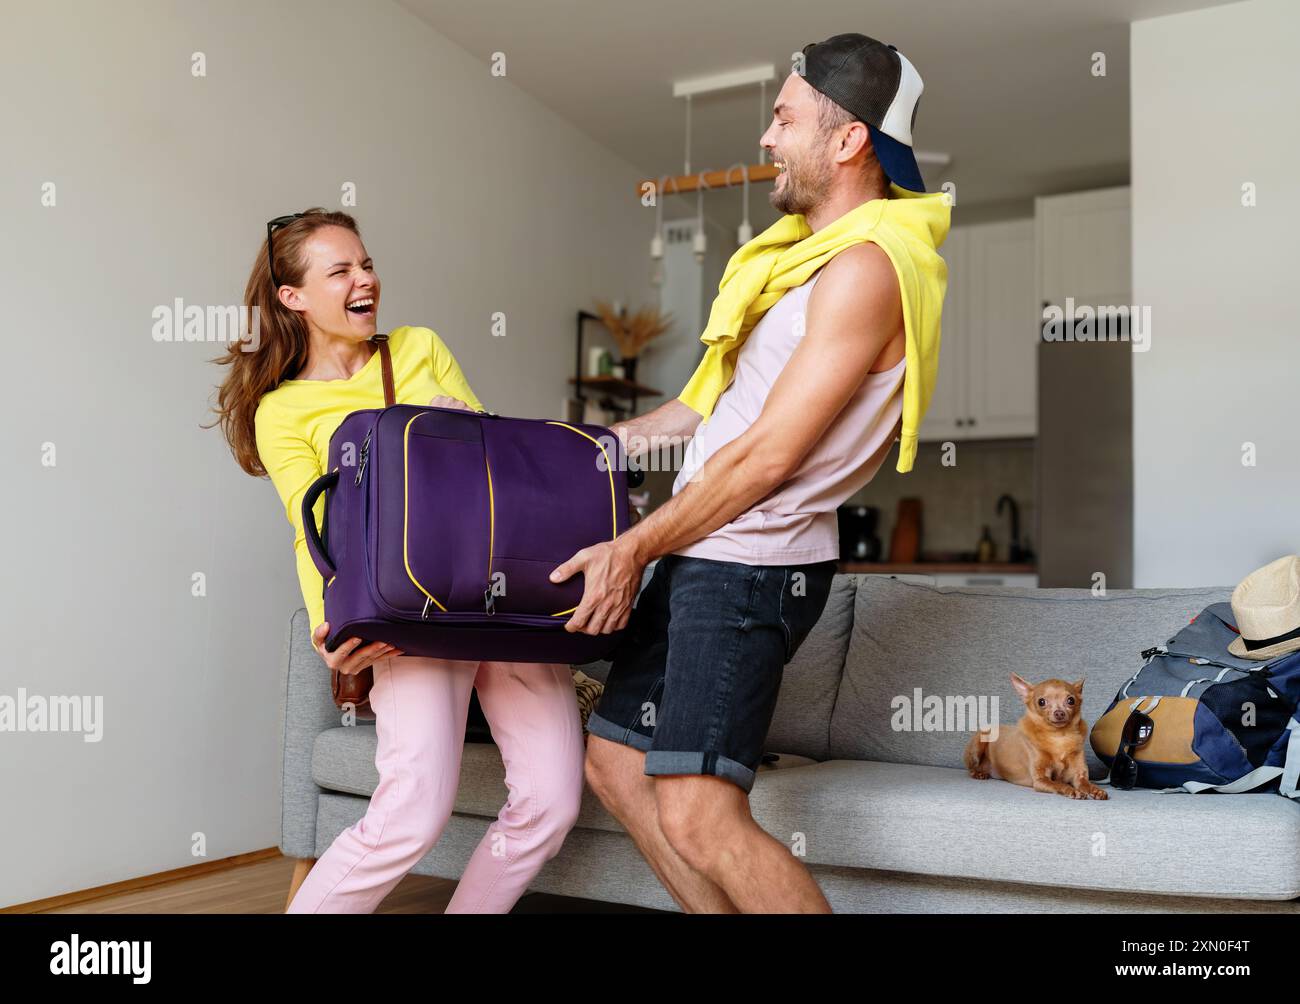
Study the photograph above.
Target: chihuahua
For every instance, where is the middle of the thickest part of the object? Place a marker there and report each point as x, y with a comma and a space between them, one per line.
1045, 750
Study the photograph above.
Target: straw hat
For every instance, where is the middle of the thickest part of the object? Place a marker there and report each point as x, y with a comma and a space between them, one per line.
1266, 604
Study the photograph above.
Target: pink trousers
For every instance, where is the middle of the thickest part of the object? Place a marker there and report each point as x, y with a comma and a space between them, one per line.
420, 706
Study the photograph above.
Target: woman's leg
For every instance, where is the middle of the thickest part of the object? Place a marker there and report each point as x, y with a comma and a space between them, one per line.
533, 711
420, 707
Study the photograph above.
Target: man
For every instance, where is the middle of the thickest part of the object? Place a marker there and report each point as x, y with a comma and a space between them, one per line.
802, 393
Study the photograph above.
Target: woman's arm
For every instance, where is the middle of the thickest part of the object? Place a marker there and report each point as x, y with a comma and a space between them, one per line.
292, 465
448, 374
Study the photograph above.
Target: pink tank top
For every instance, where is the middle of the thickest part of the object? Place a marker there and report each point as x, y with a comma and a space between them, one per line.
796, 523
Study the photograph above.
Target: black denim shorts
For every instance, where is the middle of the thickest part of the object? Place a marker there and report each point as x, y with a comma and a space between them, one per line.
694, 681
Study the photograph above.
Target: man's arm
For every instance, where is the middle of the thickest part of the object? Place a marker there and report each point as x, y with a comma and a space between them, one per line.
672, 421
853, 313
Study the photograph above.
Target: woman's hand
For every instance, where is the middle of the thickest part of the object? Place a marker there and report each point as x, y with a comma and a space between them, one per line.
350, 658
443, 401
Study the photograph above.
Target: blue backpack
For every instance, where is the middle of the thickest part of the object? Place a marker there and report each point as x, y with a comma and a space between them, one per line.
1222, 723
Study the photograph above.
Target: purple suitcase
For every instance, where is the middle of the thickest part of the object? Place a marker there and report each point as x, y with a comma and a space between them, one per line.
442, 527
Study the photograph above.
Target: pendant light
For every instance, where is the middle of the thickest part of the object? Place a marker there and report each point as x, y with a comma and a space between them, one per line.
744, 232
700, 244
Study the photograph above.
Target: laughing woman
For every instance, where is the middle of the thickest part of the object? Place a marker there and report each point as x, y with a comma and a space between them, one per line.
314, 363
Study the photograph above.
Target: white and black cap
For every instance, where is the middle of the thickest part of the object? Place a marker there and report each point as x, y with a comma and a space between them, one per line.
875, 82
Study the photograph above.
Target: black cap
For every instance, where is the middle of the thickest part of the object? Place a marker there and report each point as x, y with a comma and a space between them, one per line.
877, 84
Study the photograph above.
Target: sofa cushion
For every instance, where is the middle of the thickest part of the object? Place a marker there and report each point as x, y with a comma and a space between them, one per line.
941, 821
801, 721
343, 760
960, 645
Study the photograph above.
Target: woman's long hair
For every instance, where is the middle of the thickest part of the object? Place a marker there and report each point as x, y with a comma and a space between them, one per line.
282, 339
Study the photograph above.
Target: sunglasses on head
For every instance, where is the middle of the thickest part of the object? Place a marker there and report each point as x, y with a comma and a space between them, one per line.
271, 228
1136, 732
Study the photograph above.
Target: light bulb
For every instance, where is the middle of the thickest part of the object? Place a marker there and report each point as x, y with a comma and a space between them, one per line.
657, 246
744, 233
699, 244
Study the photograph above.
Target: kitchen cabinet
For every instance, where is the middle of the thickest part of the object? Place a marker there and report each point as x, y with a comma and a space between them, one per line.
987, 382
1084, 248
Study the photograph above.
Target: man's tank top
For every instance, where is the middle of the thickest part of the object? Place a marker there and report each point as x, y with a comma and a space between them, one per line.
797, 522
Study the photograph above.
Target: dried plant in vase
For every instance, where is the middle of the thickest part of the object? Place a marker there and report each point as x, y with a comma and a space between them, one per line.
634, 332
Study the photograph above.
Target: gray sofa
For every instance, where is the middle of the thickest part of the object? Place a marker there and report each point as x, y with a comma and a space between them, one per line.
886, 818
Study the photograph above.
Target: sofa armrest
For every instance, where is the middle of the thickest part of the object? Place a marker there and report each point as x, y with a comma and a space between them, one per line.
306, 710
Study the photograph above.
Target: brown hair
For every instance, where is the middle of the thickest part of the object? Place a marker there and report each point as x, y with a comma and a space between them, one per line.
281, 350
831, 116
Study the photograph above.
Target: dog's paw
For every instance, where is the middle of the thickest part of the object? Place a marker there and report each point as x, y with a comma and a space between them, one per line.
1076, 793
1092, 791
979, 775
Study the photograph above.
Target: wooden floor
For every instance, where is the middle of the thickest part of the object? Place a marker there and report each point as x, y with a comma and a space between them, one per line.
261, 887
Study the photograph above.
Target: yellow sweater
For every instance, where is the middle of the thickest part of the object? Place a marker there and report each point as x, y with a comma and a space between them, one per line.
295, 421
908, 226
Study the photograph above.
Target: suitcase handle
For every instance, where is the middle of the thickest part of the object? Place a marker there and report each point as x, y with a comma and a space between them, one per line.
315, 545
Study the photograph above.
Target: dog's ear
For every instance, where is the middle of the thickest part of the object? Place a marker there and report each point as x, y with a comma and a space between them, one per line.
1078, 685
1022, 687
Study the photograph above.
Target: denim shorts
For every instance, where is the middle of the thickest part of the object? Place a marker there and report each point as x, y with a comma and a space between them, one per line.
694, 681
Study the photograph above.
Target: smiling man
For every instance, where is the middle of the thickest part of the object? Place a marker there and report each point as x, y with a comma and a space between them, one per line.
822, 347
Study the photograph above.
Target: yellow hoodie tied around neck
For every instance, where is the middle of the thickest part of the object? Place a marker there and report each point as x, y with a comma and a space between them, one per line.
909, 227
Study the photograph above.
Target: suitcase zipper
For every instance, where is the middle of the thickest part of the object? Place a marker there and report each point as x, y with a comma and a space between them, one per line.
1200, 660
365, 455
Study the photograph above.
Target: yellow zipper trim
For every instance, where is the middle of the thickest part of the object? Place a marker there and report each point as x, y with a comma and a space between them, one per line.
613, 497
406, 509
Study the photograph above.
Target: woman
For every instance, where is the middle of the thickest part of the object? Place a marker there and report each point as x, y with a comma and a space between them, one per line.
279, 405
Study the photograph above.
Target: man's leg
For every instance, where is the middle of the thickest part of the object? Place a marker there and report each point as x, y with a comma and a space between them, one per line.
616, 774
706, 821
620, 731
732, 628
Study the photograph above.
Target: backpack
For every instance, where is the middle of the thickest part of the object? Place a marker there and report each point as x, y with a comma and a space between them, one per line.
1222, 723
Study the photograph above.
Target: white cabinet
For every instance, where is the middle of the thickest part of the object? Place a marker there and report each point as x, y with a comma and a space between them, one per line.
1084, 248
987, 382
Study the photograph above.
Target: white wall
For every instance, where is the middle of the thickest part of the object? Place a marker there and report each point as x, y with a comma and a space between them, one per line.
687, 294
1214, 95
472, 197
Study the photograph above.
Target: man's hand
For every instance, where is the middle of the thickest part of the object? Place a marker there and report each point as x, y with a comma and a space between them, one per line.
611, 579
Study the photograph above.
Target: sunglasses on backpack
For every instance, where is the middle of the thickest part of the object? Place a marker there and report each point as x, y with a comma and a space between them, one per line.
1137, 732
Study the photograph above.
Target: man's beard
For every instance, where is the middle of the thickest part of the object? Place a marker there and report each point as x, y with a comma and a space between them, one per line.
806, 184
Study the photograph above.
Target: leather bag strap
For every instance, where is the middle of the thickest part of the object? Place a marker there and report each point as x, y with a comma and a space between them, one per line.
386, 360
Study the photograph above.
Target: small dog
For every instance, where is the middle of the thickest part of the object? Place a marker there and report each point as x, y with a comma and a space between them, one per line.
1045, 749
